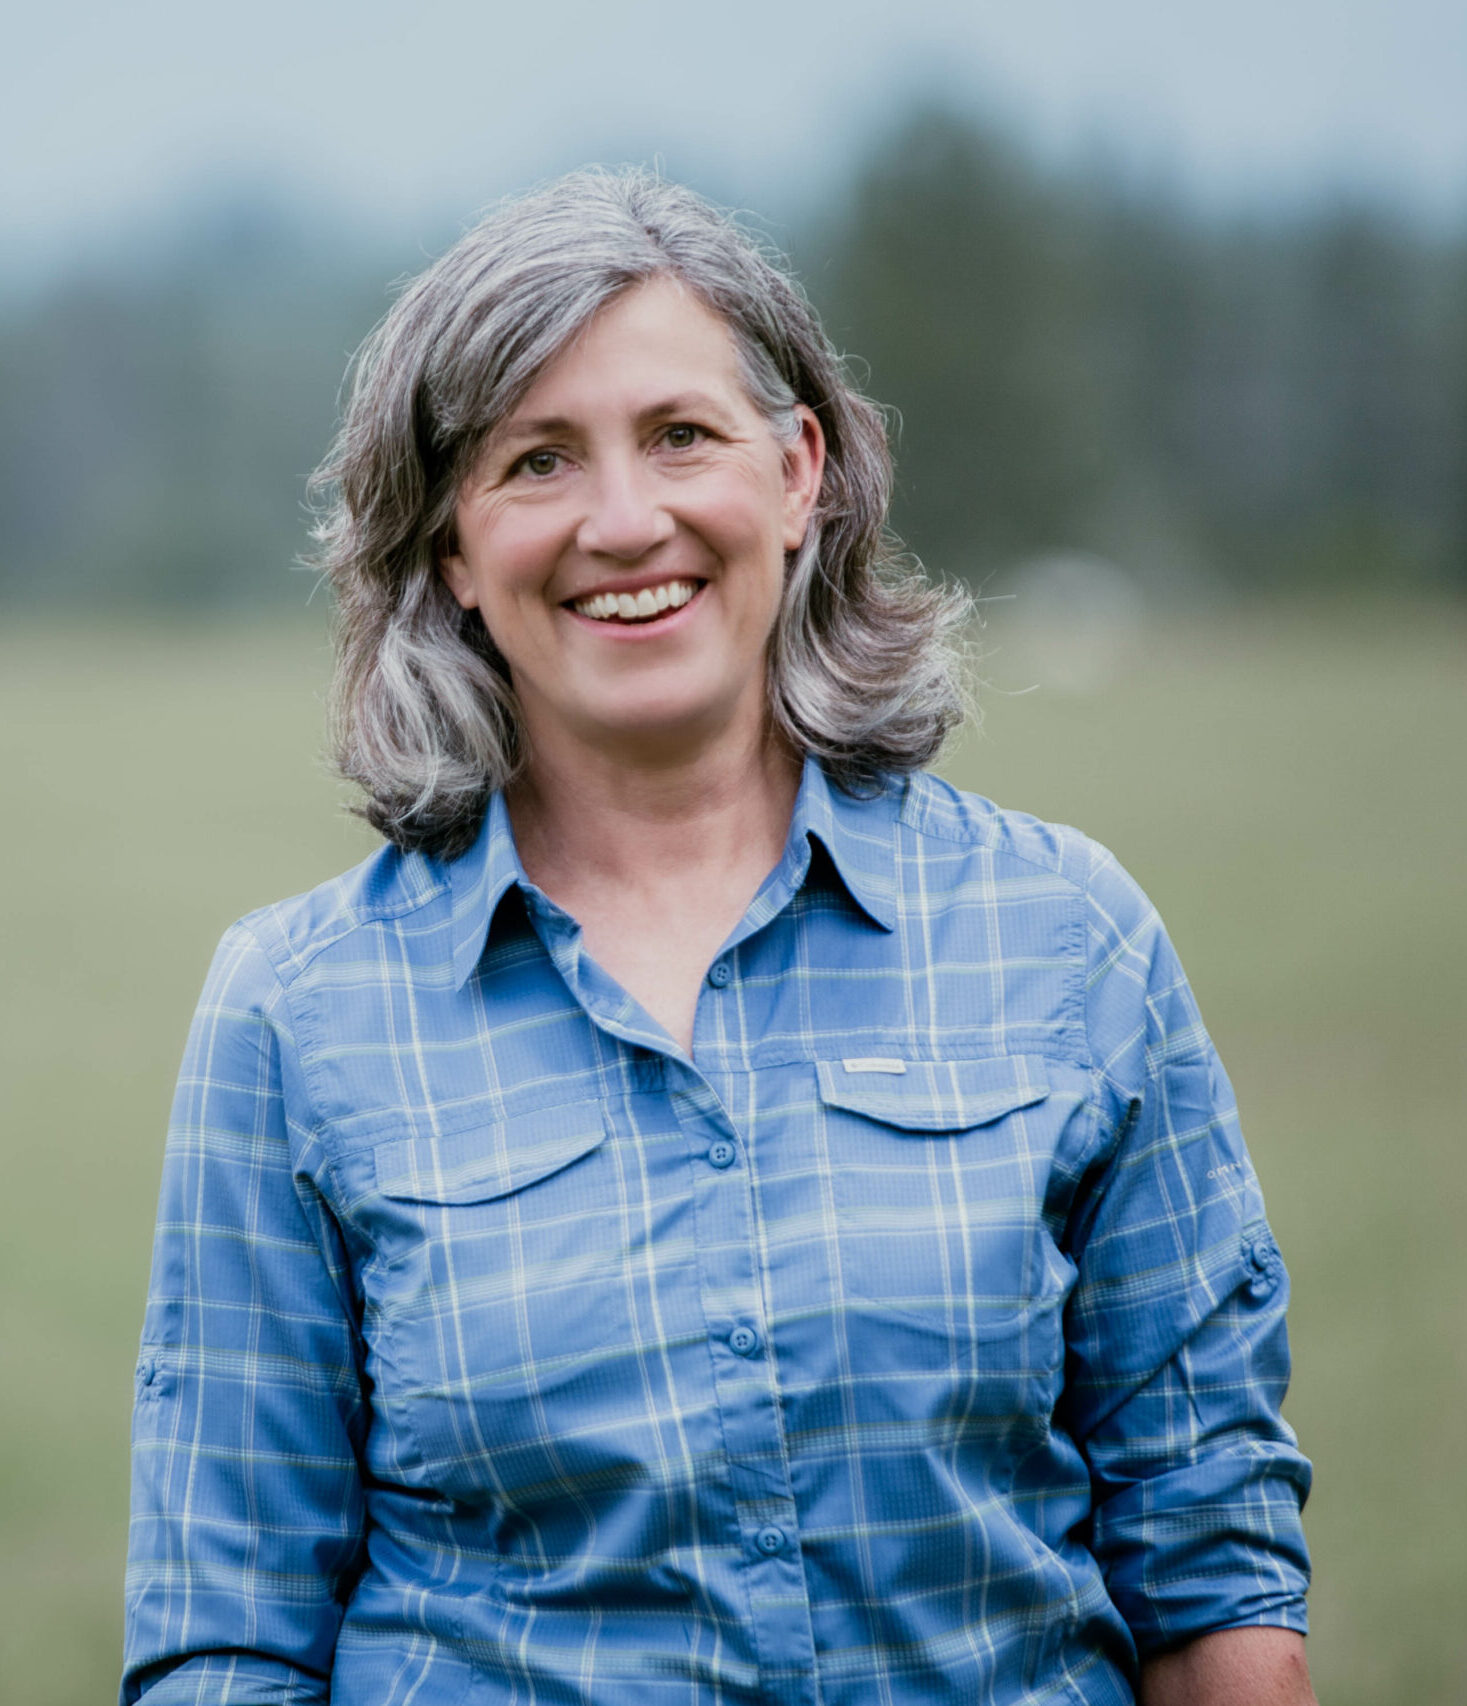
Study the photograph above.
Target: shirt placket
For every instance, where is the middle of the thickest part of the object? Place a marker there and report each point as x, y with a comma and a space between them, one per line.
748, 1400
732, 1296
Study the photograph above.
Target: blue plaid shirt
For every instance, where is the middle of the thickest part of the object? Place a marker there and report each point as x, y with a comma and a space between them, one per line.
920, 1339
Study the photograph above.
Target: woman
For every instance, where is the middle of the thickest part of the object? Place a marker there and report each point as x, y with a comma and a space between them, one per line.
708, 1213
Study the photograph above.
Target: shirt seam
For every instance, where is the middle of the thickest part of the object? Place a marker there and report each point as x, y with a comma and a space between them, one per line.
296, 1037
301, 959
916, 816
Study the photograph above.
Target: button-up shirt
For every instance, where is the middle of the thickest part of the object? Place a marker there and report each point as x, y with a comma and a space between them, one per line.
917, 1337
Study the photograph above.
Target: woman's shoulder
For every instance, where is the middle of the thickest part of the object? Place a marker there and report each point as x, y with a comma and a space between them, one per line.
933, 807
386, 886
1036, 860
1037, 873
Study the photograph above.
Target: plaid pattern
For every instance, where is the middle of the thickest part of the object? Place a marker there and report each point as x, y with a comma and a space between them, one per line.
919, 1340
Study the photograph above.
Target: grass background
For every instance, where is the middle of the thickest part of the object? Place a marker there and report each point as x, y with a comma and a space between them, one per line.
1287, 784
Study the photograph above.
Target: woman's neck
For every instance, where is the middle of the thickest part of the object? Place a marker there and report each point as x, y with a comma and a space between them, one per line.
589, 822
656, 863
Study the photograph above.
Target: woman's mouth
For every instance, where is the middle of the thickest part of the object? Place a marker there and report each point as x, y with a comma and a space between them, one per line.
644, 605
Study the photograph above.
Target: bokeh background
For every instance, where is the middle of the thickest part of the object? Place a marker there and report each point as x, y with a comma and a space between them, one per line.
1170, 304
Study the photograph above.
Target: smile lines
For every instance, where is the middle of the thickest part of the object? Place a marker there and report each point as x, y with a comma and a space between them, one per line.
643, 606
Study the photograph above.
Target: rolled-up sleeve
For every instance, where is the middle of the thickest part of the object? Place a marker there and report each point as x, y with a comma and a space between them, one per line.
1177, 1353
246, 1496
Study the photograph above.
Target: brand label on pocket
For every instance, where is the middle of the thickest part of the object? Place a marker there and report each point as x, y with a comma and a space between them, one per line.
874, 1063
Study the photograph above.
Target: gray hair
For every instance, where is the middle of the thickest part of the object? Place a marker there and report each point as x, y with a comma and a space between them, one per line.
865, 660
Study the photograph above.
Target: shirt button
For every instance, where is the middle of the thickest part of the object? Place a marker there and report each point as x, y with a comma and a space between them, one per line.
744, 1341
770, 1541
719, 973
1263, 1259
721, 1154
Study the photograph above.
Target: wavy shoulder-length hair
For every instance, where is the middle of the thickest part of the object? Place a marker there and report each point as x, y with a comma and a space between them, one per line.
864, 664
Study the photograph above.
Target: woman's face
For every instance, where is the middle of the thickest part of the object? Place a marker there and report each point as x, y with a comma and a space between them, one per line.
623, 534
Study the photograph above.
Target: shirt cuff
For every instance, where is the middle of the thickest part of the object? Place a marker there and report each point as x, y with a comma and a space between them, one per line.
1216, 1544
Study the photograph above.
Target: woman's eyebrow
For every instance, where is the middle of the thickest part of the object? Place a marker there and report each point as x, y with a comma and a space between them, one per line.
559, 426
543, 426
686, 403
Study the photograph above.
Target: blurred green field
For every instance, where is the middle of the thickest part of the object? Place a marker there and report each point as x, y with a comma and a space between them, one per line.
1288, 785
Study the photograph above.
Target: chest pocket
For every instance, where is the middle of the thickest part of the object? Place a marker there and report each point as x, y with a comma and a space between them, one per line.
932, 1096
501, 1271
487, 1161
940, 1172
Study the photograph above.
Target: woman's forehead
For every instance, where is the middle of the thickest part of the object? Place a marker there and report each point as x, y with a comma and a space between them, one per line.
652, 348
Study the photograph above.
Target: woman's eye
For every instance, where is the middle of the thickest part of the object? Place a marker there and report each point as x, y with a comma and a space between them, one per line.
540, 462
681, 437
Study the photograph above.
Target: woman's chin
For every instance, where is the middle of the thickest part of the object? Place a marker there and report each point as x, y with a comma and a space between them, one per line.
662, 727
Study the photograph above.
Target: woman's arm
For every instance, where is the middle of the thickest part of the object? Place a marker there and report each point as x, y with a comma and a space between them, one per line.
1178, 1358
1231, 1667
247, 1513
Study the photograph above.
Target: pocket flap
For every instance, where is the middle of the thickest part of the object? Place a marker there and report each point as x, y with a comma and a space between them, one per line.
942, 1095
490, 1160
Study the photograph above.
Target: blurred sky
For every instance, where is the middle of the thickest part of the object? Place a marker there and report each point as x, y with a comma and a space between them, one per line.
409, 116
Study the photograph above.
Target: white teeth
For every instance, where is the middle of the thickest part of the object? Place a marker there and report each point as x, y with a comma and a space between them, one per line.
640, 606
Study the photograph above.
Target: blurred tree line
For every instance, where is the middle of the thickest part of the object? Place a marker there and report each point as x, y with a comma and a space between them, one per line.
1263, 403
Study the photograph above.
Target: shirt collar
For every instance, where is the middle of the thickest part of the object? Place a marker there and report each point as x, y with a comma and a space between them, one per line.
478, 880
858, 834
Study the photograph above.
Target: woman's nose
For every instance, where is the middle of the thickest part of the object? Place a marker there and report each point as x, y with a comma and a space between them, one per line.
625, 517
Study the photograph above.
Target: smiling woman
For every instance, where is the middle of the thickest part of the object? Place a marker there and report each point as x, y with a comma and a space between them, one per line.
624, 533
707, 1214
861, 670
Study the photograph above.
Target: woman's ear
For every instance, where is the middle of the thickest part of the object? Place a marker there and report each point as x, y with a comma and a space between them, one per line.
455, 573
804, 468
